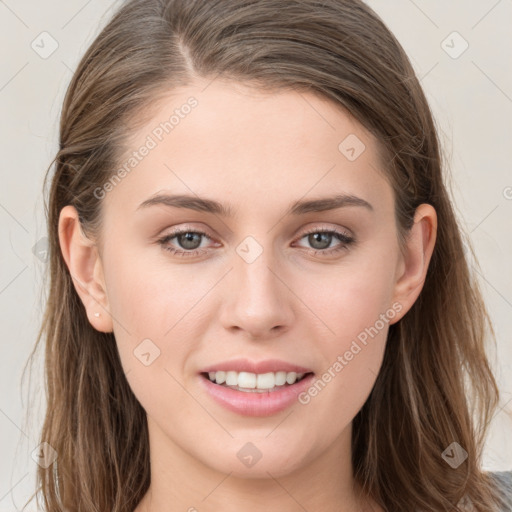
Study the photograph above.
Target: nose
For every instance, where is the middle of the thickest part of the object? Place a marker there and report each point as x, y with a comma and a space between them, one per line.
257, 299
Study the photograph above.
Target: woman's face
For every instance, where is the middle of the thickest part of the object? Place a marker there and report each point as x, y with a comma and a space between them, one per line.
268, 179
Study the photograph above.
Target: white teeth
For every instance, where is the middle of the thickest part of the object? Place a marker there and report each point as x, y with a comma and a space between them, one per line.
291, 377
231, 379
280, 378
265, 381
249, 380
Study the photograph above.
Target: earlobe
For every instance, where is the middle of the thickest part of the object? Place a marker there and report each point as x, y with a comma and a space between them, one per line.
85, 267
413, 264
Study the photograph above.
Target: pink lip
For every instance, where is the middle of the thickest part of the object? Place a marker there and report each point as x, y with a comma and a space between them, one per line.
244, 365
254, 403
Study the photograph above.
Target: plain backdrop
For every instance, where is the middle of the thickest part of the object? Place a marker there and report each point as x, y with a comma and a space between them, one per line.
462, 53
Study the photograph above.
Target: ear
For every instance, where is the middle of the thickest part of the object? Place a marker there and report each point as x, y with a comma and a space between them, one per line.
83, 261
414, 260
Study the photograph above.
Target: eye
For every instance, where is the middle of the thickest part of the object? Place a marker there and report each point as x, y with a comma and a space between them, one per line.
189, 241
321, 240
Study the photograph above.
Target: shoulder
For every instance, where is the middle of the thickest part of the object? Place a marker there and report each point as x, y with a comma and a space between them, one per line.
504, 478
504, 481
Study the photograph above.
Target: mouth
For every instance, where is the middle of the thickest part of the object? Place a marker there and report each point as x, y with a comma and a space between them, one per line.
248, 382
261, 389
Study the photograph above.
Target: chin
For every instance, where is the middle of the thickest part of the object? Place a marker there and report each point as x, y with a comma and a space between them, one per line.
256, 459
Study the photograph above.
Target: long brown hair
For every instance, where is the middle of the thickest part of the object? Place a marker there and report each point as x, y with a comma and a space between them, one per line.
435, 386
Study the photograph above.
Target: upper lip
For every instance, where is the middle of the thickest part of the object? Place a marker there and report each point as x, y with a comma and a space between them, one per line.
245, 365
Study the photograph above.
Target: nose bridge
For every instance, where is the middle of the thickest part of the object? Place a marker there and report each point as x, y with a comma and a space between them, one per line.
256, 280
258, 301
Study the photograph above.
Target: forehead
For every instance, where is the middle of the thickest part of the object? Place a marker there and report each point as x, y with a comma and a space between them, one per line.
248, 148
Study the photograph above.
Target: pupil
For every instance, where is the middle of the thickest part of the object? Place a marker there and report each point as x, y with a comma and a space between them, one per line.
316, 237
187, 240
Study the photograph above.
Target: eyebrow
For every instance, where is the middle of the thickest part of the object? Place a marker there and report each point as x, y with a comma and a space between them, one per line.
211, 206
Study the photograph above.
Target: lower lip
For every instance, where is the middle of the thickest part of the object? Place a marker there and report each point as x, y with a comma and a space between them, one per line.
254, 403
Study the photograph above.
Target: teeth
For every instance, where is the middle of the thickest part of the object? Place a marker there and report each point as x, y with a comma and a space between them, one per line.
246, 380
280, 378
249, 380
231, 379
265, 381
291, 377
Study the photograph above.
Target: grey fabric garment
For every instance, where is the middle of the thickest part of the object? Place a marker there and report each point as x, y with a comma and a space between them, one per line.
504, 478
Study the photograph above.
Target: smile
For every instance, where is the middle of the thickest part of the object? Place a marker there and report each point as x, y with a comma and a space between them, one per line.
248, 401
255, 382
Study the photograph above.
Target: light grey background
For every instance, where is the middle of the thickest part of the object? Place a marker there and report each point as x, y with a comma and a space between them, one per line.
470, 94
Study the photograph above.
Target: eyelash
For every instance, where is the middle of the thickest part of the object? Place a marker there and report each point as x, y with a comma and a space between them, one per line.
345, 240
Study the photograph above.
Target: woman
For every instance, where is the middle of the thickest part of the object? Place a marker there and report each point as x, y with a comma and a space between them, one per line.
259, 295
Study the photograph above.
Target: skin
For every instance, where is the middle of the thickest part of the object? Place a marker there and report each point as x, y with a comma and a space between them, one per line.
258, 153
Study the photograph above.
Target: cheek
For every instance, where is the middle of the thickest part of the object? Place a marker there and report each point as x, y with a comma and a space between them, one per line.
351, 298
149, 297
351, 359
154, 322
153, 307
354, 306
